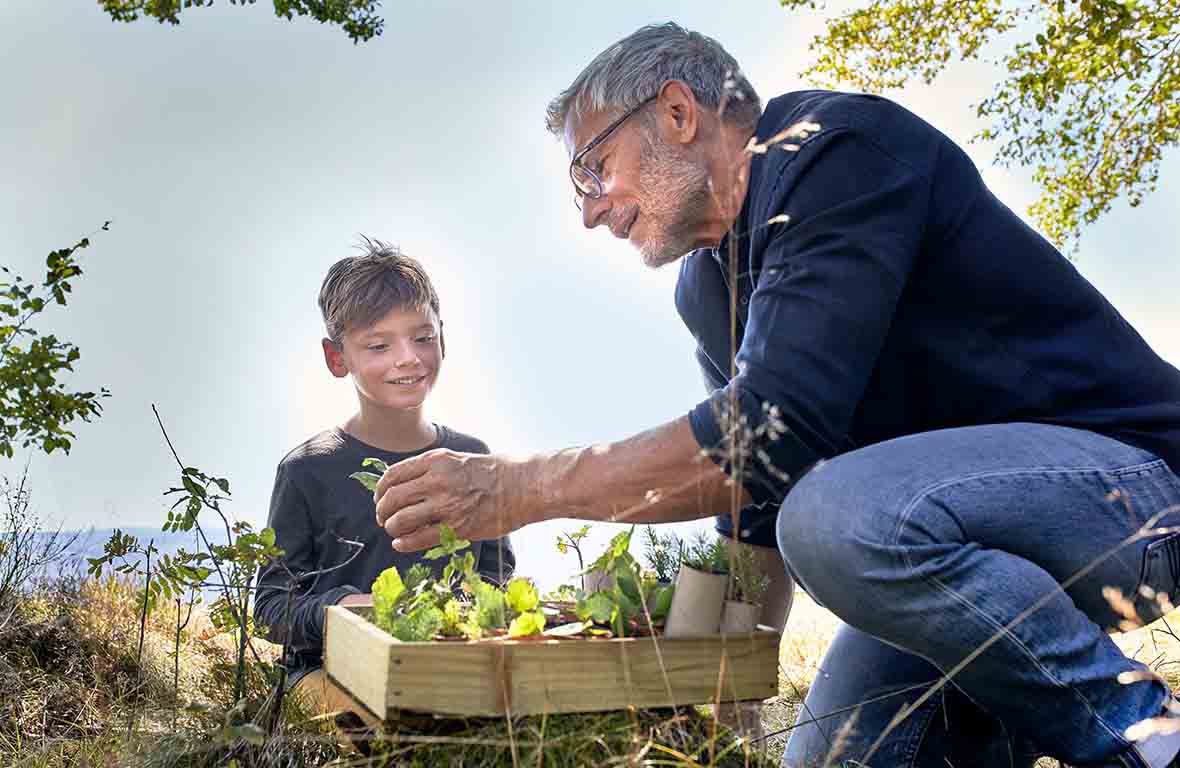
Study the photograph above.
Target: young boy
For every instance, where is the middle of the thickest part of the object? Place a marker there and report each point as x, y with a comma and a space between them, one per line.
381, 316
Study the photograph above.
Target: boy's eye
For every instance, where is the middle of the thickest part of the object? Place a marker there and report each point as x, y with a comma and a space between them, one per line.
378, 347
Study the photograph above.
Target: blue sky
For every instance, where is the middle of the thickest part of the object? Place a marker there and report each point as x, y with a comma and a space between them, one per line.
238, 156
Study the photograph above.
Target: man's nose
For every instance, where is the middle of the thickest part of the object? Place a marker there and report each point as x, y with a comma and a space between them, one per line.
594, 211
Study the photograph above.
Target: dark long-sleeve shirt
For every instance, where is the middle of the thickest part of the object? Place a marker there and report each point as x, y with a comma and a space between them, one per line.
900, 296
314, 508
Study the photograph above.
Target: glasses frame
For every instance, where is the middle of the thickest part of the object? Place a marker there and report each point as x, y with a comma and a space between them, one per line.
576, 162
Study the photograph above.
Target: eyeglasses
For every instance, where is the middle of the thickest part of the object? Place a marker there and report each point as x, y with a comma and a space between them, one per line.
587, 183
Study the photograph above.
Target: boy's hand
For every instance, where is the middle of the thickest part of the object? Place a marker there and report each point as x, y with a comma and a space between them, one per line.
364, 600
479, 496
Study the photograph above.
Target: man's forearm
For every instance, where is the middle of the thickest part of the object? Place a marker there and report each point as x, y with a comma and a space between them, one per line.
657, 476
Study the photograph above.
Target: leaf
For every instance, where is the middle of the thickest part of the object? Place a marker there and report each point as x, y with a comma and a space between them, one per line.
449, 543
376, 464
567, 630
418, 626
367, 479
526, 624
597, 606
521, 595
387, 589
662, 603
489, 606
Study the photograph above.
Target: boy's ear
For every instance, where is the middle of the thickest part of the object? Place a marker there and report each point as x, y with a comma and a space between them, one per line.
334, 358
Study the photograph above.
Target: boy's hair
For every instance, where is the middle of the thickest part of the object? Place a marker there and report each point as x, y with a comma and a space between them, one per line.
360, 290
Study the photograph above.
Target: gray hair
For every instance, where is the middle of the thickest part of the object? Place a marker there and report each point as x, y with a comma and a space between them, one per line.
634, 69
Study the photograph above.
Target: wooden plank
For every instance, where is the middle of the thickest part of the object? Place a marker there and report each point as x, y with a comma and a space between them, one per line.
491, 678
453, 678
614, 674
356, 653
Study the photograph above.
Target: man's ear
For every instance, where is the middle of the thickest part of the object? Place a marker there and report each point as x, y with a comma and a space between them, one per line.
677, 113
334, 358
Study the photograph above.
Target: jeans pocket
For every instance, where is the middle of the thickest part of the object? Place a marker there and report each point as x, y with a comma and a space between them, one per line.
1159, 577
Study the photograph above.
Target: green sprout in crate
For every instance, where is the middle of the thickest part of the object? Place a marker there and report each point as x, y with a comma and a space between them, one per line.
634, 602
662, 553
460, 604
419, 608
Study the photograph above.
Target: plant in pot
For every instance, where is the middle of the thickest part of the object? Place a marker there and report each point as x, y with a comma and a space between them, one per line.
700, 589
632, 603
662, 554
744, 606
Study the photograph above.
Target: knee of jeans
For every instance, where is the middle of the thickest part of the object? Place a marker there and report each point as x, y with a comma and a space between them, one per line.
821, 533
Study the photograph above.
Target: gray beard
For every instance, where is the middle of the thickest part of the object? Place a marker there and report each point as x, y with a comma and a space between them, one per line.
676, 191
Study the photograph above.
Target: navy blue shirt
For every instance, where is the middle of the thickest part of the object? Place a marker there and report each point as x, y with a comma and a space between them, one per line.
901, 296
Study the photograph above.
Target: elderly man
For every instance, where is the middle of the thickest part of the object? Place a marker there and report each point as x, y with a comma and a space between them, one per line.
960, 441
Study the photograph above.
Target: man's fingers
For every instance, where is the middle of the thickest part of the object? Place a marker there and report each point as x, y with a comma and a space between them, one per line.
401, 472
409, 519
423, 538
399, 497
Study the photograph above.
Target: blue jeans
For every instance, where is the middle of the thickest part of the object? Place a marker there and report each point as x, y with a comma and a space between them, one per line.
929, 546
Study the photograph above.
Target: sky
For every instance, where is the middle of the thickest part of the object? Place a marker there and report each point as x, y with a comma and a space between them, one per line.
239, 155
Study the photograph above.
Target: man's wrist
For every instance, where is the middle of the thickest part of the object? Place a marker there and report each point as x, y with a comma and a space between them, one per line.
533, 503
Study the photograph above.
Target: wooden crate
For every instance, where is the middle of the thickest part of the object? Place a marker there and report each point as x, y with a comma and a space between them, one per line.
497, 677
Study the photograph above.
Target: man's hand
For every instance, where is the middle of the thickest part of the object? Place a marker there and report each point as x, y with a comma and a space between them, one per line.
478, 496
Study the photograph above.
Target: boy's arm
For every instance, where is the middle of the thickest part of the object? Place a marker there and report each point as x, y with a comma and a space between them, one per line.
300, 621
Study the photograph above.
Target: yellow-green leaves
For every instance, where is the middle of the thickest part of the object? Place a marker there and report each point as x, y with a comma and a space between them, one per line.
1089, 101
521, 595
387, 590
367, 479
530, 623
449, 543
358, 18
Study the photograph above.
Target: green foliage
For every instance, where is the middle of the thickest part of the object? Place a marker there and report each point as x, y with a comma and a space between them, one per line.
358, 18
1089, 99
235, 563
521, 595
528, 623
367, 479
707, 553
34, 406
749, 582
491, 608
387, 591
662, 553
449, 544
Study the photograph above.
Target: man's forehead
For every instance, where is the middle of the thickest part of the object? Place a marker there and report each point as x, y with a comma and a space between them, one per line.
581, 130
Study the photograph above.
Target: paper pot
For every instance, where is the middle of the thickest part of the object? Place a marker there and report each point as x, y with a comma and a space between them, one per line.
739, 618
598, 581
696, 604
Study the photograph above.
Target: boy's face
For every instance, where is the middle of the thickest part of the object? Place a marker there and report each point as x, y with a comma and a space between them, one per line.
394, 362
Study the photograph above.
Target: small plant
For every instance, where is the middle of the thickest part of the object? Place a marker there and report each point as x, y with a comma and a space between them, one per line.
706, 553
461, 604
418, 607
662, 553
749, 584
634, 601
567, 542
